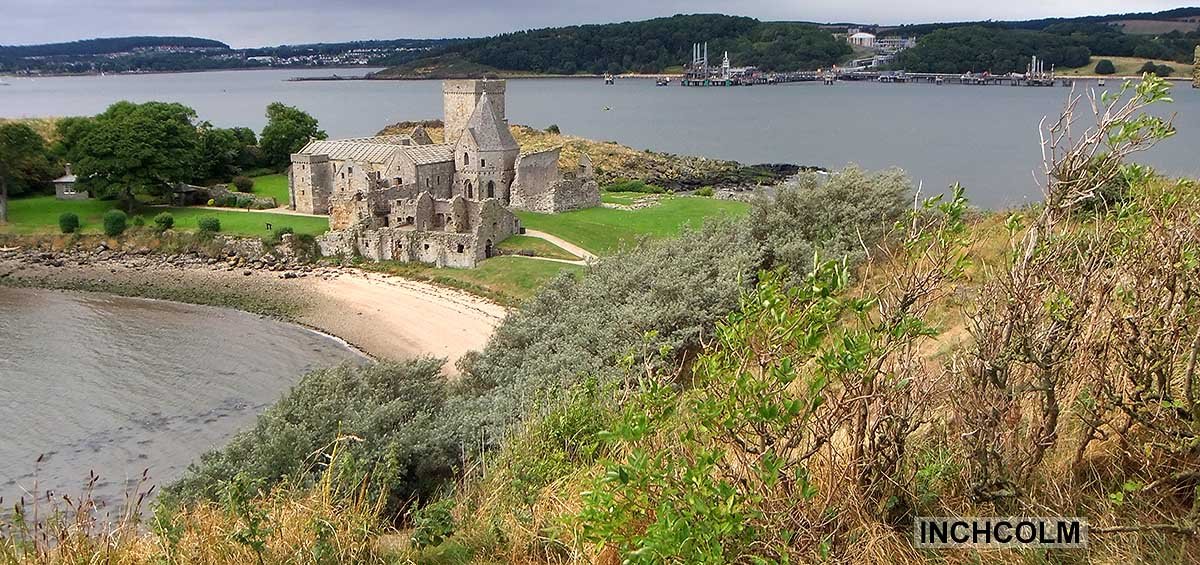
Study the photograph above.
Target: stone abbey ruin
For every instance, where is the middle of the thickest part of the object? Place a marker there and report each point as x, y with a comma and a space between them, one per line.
405, 198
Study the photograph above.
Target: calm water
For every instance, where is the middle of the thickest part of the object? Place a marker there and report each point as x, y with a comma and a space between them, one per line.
985, 137
118, 385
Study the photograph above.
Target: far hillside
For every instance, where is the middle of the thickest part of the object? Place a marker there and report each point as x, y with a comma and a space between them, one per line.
649, 46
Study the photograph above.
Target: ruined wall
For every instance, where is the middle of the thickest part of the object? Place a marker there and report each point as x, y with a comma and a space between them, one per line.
468, 233
540, 187
459, 98
310, 180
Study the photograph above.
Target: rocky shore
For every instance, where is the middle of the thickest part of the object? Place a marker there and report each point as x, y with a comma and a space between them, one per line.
383, 316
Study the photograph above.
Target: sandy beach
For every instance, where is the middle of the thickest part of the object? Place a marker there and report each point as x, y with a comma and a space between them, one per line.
386, 317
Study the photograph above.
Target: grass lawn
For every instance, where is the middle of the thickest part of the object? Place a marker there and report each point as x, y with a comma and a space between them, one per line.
1127, 66
603, 230
275, 186
539, 247
39, 214
506, 280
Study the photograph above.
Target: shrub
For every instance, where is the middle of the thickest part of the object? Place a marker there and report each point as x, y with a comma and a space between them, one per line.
1163, 70
1149, 67
628, 185
209, 224
706, 192
826, 216
243, 184
211, 202
553, 128
68, 222
1105, 67
138, 221
114, 223
164, 221
433, 524
272, 239
395, 407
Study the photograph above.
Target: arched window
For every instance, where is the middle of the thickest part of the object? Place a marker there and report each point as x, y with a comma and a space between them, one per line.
470, 193
491, 189
466, 159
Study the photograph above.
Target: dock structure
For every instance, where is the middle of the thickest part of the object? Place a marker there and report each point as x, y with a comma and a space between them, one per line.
701, 73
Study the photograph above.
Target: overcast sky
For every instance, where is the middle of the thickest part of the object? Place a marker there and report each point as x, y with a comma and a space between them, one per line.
253, 23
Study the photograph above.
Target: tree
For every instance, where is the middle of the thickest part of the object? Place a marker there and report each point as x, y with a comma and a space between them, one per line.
1149, 67
135, 150
220, 153
69, 133
24, 162
1105, 67
288, 129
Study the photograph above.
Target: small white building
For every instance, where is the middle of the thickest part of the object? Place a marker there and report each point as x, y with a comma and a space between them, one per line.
861, 39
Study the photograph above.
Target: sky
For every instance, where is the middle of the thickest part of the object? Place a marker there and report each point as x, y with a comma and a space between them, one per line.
255, 23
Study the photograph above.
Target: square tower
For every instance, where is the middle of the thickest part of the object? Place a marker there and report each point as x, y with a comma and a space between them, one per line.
459, 98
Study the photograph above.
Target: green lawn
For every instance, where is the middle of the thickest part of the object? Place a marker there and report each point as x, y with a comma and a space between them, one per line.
275, 186
39, 214
539, 247
603, 230
506, 280
1126, 66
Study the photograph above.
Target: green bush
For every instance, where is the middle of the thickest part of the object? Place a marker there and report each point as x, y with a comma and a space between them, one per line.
243, 184
1105, 67
553, 128
1164, 70
68, 222
114, 223
211, 202
395, 407
272, 239
628, 185
138, 221
164, 221
706, 192
209, 224
433, 524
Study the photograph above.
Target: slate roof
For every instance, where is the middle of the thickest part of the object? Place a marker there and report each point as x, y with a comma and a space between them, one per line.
374, 150
429, 154
488, 130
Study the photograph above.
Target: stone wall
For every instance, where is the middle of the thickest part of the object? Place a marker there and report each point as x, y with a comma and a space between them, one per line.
1196, 69
540, 187
311, 180
466, 233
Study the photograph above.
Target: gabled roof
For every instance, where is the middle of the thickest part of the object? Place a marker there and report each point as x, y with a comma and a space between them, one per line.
363, 150
487, 129
429, 154
65, 179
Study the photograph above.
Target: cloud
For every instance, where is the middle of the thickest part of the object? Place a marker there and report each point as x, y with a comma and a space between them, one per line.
251, 23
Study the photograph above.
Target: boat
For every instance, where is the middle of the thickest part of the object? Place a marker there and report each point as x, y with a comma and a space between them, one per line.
662, 81
1100, 82
608, 79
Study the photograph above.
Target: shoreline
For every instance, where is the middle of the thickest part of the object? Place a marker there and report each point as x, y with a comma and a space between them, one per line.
380, 316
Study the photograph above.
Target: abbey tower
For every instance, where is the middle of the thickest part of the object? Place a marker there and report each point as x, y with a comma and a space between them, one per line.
459, 98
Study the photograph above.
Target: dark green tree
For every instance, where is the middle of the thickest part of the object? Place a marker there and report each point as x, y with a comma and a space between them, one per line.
1105, 67
136, 150
220, 153
24, 162
288, 129
68, 135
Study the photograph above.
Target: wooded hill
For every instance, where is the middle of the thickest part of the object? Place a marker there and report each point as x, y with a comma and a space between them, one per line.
648, 46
